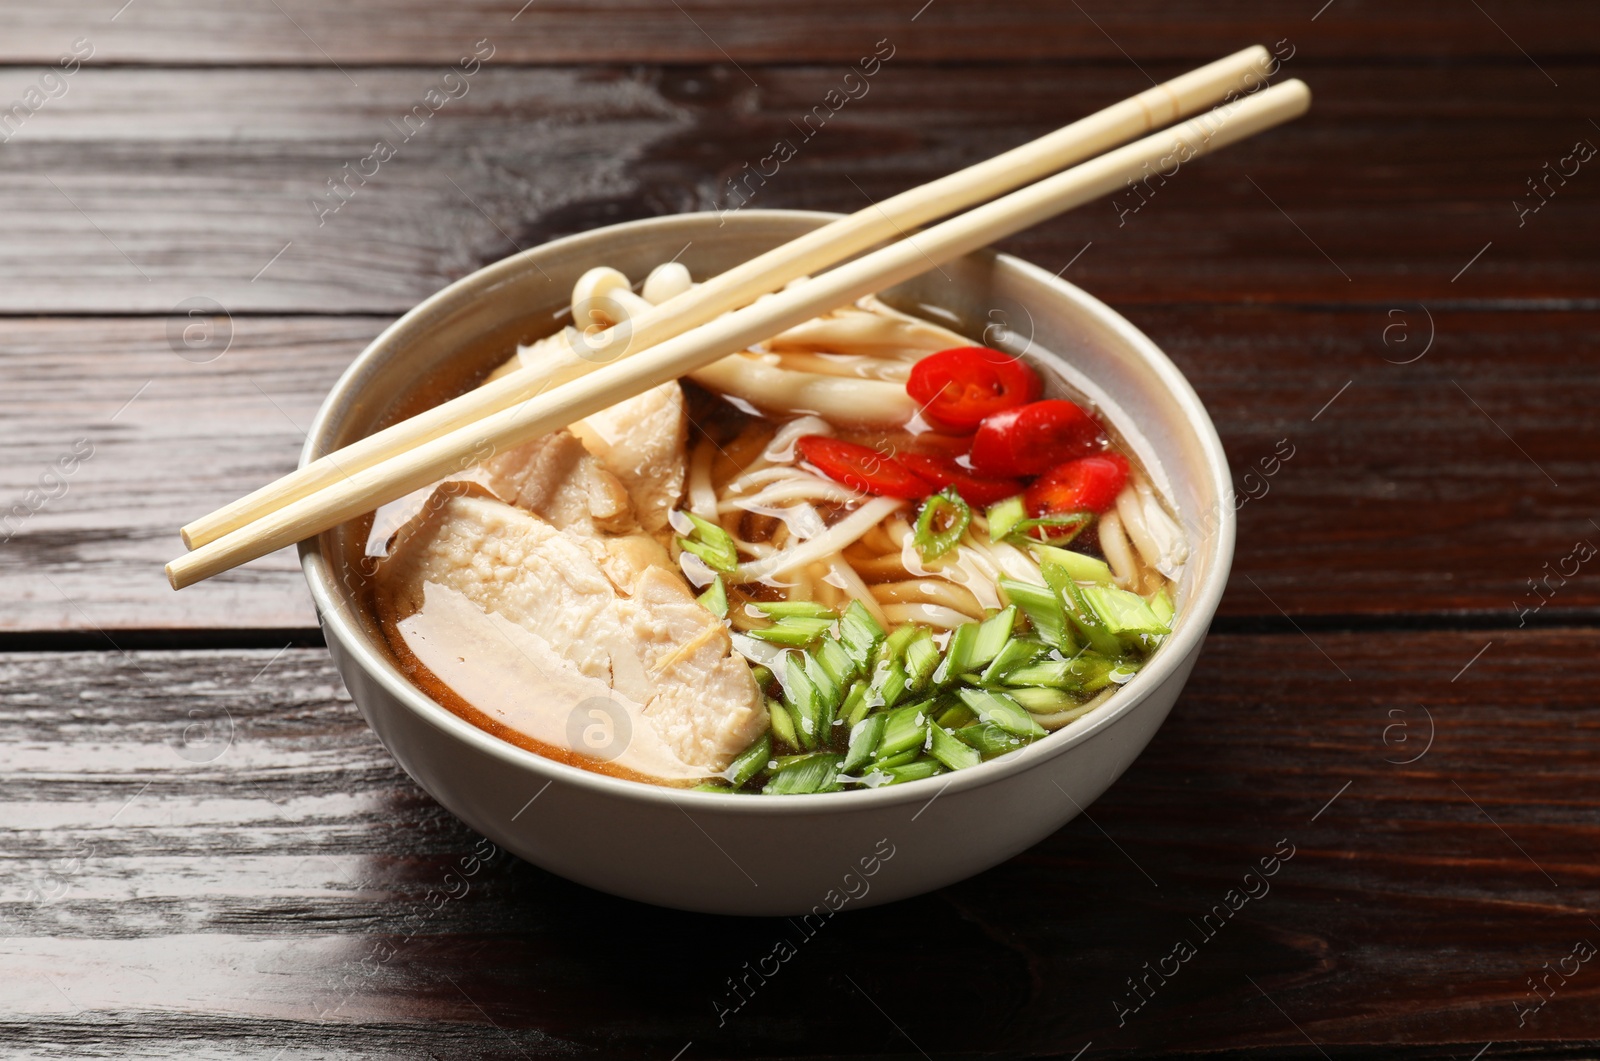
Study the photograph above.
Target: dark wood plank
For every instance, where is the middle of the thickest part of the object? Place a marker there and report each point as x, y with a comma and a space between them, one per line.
413, 31
1458, 482
224, 895
141, 188
164, 436
1402, 495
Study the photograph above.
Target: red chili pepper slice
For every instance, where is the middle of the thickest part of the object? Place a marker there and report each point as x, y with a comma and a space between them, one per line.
1088, 484
861, 468
1034, 438
957, 388
938, 444
974, 490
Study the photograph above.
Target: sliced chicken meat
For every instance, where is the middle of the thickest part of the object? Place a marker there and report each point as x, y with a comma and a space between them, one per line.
522, 620
643, 441
556, 477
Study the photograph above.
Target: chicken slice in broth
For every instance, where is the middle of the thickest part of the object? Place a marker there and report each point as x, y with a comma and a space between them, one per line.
643, 442
522, 621
556, 477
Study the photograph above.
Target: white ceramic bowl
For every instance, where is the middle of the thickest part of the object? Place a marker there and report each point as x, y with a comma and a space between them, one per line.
794, 854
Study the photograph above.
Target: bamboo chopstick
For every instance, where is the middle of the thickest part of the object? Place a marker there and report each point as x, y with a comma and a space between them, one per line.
817, 250
366, 489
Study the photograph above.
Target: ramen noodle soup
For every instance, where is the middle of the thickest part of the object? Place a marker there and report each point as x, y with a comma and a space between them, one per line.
867, 551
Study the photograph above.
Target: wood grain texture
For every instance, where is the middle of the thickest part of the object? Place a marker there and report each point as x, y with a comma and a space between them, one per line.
141, 188
202, 847
1459, 482
1402, 495
206, 853
183, 32
166, 438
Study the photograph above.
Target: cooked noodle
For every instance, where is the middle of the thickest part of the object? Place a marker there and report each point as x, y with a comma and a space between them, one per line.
702, 495
830, 541
927, 614
841, 574
930, 591
796, 486
1115, 546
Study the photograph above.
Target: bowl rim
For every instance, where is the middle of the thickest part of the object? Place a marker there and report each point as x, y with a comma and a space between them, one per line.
1202, 602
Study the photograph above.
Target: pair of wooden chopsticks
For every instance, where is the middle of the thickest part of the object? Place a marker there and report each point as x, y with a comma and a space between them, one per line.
721, 316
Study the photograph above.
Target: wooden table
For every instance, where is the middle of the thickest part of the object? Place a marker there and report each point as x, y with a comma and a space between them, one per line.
206, 852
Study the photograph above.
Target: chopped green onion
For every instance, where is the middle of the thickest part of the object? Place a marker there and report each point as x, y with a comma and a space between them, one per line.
922, 656
1093, 670
1018, 651
915, 771
910, 755
864, 738
895, 646
828, 696
1125, 614
1116, 672
836, 661
1002, 711
715, 558
1003, 515
907, 728
803, 699
782, 723
1042, 607
988, 739
1161, 604
943, 746
955, 716
942, 522
715, 599
830, 691
712, 786
877, 706
889, 683
1059, 529
856, 704
992, 636
1079, 567
710, 543
957, 653
795, 609
860, 634
750, 762
1043, 700
1087, 621
812, 773
797, 632
1054, 673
